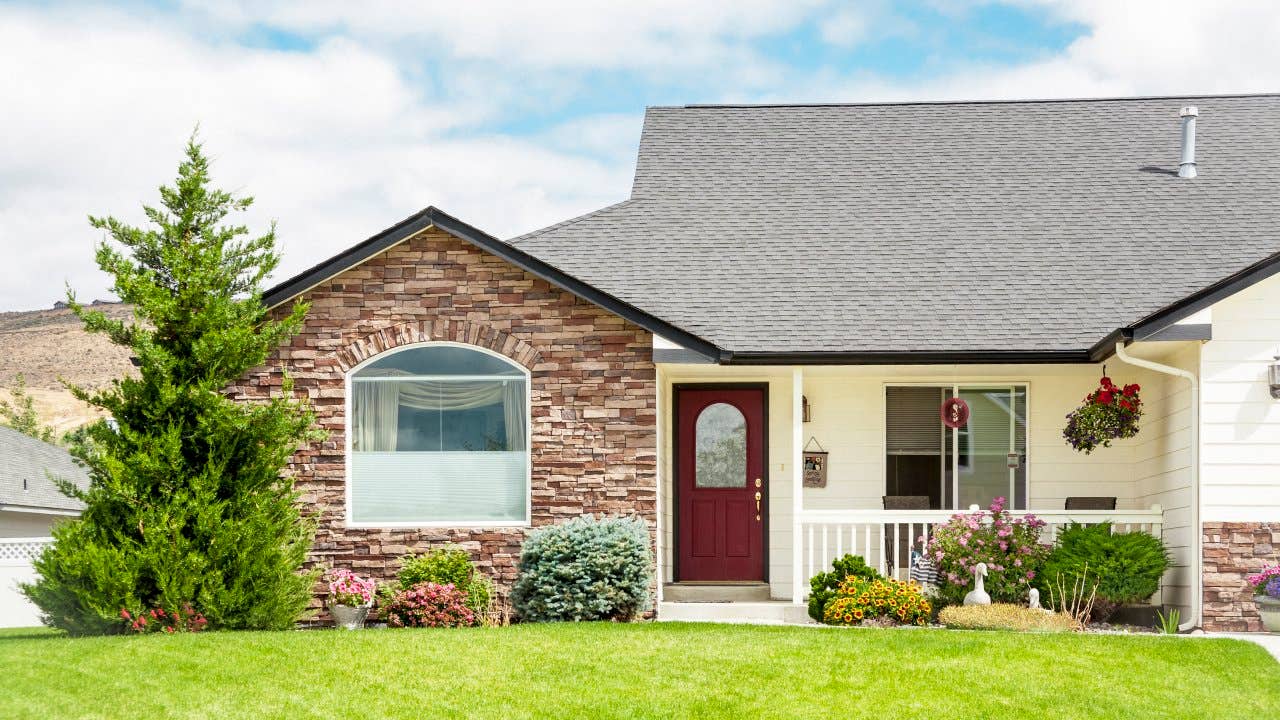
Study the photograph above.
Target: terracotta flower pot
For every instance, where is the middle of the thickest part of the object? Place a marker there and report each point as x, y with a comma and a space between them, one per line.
349, 618
1269, 609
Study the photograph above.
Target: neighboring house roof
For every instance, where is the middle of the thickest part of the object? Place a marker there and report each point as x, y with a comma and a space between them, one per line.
978, 231
24, 458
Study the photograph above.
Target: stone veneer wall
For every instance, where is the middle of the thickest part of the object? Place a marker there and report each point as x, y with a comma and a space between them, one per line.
1231, 551
594, 447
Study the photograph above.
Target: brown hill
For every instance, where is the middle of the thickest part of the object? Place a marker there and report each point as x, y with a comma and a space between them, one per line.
45, 345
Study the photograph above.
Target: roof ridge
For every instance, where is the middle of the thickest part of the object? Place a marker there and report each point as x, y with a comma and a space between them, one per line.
1007, 101
566, 223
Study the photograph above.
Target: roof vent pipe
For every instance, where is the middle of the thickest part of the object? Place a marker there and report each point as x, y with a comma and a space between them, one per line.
1187, 168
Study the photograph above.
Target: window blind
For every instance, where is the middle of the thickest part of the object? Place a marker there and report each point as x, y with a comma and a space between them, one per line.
913, 423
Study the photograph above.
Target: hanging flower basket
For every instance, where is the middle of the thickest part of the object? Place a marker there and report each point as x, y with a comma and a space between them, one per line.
1108, 413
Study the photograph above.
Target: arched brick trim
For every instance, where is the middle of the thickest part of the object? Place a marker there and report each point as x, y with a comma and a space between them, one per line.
470, 333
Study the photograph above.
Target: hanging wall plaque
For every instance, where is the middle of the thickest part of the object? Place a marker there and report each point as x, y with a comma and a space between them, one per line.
815, 465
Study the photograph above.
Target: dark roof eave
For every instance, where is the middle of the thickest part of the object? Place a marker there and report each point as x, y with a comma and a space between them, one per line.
431, 216
910, 357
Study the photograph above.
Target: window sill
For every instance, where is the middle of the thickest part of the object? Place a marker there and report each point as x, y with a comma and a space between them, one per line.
453, 525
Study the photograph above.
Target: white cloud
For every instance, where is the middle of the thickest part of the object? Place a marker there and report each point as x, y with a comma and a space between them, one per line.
845, 28
336, 144
390, 107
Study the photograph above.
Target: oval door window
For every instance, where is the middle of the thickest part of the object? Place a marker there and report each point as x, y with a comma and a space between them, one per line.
720, 436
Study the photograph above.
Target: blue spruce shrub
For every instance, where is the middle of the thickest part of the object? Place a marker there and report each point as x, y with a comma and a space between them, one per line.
585, 569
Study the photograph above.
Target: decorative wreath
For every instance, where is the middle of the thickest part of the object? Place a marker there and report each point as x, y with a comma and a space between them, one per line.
955, 412
1109, 413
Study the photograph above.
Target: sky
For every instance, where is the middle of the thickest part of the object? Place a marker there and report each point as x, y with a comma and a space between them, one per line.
341, 118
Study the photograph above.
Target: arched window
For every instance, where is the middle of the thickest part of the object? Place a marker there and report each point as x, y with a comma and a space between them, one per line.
438, 435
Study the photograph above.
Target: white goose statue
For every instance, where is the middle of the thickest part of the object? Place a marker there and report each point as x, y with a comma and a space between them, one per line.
978, 596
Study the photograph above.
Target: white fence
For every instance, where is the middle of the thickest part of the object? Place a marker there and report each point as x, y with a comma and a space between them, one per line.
884, 538
16, 555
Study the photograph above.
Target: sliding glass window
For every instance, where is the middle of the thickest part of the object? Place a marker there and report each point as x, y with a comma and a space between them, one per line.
956, 468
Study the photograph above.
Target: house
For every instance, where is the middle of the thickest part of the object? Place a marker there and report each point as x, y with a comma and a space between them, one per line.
30, 504
794, 276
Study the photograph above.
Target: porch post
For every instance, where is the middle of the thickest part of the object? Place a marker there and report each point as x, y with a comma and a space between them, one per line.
797, 482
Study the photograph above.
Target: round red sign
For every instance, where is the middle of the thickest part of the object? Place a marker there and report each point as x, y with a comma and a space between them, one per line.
955, 412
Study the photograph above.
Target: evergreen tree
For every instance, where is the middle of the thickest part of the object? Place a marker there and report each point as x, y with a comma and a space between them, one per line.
187, 505
21, 415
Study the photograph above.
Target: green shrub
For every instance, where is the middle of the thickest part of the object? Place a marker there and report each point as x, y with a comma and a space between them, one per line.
1003, 616
823, 586
449, 565
1127, 567
585, 569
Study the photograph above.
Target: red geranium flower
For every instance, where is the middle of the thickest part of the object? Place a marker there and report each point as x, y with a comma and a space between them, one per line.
1106, 382
1104, 397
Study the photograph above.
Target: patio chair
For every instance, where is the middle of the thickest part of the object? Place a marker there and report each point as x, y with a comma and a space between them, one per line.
1091, 503
901, 539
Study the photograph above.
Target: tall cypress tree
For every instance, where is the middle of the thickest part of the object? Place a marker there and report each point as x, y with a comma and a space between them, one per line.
187, 504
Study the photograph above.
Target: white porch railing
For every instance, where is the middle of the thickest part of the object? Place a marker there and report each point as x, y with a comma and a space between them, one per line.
884, 538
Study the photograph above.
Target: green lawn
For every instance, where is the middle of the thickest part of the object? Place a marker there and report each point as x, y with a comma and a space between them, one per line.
632, 671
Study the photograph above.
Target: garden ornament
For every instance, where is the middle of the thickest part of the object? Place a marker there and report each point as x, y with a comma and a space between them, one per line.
978, 596
1035, 599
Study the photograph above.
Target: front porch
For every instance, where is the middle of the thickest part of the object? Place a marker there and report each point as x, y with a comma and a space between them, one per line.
881, 449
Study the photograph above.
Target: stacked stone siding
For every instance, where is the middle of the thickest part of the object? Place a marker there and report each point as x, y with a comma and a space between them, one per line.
593, 392
1233, 550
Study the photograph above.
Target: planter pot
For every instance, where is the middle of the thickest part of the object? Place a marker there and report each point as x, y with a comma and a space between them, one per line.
349, 618
1269, 609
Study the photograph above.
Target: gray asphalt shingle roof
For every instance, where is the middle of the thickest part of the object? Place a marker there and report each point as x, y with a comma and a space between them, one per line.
998, 226
26, 458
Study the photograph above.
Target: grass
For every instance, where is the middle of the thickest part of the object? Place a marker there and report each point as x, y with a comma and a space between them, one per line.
634, 671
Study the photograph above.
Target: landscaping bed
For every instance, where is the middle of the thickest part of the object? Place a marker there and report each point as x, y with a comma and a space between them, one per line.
633, 670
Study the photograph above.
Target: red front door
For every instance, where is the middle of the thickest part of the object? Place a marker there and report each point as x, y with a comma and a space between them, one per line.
720, 436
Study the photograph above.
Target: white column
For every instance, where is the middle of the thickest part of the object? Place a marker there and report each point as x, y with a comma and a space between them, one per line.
797, 483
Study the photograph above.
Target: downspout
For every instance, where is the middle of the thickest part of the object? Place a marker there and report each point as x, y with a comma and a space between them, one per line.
1197, 579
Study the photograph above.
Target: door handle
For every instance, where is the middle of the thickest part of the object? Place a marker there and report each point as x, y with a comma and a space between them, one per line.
758, 504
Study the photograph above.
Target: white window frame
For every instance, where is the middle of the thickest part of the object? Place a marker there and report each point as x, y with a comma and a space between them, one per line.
956, 387
463, 524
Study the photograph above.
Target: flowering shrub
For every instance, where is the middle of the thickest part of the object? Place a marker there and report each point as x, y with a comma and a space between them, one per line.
1009, 546
347, 588
1108, 413
824, 586
448, 565
1266, 582
429, 604
859, 599
184, 619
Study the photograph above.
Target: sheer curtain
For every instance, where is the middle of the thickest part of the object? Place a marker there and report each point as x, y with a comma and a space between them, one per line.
376, 410
376, 404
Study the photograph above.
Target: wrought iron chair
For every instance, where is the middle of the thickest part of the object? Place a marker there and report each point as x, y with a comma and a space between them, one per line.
1091, 503
902, 538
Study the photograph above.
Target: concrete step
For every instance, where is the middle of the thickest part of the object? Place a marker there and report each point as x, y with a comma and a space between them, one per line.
771, 612
715, 592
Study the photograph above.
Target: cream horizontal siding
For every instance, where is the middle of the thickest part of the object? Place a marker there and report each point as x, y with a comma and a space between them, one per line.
1240, 437
1163, 472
